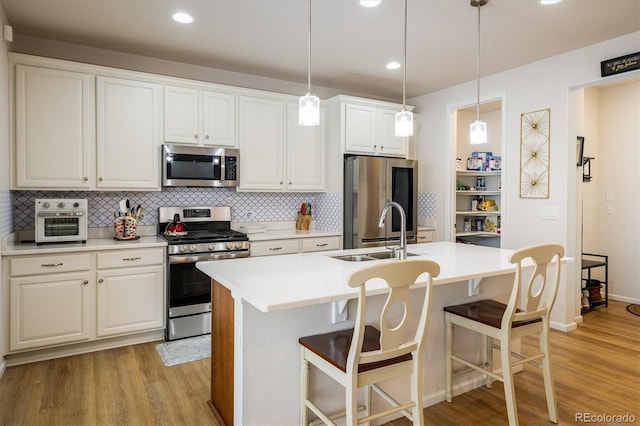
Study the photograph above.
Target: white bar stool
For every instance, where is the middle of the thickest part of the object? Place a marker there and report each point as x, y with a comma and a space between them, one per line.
366, 355
506, 322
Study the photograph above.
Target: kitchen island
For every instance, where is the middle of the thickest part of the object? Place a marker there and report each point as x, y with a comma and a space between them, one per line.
262, 305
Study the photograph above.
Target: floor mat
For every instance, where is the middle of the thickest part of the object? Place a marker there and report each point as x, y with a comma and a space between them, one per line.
634, 309
184, 350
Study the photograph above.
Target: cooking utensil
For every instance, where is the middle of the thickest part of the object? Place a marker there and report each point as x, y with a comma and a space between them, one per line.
176, 227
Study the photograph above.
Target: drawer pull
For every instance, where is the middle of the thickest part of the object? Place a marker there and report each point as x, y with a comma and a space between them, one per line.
322, 245
275, 248
422, 238
130, 259
51, 265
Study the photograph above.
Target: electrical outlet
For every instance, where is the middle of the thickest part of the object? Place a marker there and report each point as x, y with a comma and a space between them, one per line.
339, 311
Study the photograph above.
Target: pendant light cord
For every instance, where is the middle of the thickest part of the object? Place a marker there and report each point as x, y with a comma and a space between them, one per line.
479, 6
309, 51
404, 78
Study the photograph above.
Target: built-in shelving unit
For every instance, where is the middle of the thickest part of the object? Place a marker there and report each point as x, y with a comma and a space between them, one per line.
478, 195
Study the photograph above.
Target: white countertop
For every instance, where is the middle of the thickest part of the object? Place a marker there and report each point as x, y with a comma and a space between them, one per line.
18, 249
274, 283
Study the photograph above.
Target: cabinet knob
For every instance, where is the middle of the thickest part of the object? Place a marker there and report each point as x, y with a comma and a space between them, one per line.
290, 183
281, 182
85, 282
375, 146
100, 178
206, 137
85, 178
101, 280
381, 146
195, 136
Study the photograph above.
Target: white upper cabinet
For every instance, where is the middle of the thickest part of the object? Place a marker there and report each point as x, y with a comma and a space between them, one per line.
199, 117
261, 133
276, 153
54, 128
368, 127
128, 134
78, 131
306, 153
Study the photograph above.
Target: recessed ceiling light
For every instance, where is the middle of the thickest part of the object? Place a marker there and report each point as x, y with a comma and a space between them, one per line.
547, 2
182, 17
370, 3
393, 65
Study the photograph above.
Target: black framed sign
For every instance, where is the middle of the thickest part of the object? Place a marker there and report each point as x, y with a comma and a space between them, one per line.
620, 64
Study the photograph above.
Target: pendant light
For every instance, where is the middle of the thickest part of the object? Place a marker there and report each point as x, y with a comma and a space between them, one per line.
478, 129
404, 118
309, 110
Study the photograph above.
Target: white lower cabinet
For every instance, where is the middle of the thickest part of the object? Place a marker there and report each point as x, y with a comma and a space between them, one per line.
49, 310
272, 247
60, 299
129, 299
294, 245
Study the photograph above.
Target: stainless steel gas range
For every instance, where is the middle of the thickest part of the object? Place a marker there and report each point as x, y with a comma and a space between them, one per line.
195, 234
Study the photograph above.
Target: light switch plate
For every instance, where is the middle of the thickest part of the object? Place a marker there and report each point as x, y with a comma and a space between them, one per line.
610, 209
549, 212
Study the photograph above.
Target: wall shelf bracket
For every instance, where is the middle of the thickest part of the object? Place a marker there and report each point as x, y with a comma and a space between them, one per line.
474, 284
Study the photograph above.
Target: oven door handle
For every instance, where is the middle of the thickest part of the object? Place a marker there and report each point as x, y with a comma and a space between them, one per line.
60, 214
192, 258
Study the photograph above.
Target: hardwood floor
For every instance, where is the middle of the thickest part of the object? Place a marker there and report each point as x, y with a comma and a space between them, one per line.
596, 369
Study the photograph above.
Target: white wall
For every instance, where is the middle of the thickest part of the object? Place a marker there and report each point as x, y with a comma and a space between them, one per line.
540, 85
618, 231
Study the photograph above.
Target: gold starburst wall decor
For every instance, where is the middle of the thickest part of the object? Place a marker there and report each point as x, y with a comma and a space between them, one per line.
534, 154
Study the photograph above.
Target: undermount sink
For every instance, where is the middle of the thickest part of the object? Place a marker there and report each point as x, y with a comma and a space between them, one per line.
386, 255
368, 256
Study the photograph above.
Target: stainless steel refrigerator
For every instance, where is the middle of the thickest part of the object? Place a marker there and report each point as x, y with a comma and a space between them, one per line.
370, 183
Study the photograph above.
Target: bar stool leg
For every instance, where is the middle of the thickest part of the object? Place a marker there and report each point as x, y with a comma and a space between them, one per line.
304, 389
448, 353
548, 379
489, 361
507, 375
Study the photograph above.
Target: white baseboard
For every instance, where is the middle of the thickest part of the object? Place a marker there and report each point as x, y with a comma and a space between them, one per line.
625, 299
564, 327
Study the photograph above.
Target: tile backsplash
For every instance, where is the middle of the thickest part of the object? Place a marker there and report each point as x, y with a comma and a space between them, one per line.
17, 212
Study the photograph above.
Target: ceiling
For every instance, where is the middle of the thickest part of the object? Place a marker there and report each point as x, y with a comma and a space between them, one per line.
350, 43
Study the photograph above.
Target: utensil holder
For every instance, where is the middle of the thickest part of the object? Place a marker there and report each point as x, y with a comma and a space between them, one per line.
303, 221
125, 228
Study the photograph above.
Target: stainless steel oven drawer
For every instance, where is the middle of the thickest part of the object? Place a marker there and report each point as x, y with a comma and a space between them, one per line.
193, 325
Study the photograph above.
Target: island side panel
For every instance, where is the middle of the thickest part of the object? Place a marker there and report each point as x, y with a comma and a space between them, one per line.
222, 352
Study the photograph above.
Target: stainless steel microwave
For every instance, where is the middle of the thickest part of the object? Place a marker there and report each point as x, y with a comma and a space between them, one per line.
184, 165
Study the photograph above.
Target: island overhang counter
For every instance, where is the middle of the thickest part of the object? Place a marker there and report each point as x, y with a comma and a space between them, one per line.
262, 305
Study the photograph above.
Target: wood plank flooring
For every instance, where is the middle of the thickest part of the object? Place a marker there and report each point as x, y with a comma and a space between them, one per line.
596, 369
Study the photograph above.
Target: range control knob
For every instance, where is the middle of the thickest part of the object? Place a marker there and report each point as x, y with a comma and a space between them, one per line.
182, 249
211, 247
231, 245
61, 204
193, 248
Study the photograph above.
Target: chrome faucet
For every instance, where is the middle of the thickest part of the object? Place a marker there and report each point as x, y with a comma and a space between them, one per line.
402, 253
